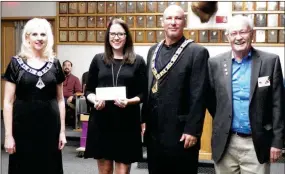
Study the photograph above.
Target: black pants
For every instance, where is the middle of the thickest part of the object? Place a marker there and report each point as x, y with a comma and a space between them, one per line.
162, 161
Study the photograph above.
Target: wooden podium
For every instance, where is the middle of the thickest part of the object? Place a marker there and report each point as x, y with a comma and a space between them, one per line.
206, 151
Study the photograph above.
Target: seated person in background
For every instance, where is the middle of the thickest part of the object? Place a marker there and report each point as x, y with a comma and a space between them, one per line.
71, 85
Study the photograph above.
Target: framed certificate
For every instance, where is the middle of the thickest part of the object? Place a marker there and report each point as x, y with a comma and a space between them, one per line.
159, 20
139, 38
101, 7
140, 7
281, 36
72, 36
82, 21
100, 36
272, 36
203, 36
150, 36
161, 6
248, 6
159, 35
72, 22
260, 20
91, 36
237, 6
100, 21
130, 21
131, 7
81, 36
171, 3
63, 22
109, 18
186, 34
91, 7
224, 36
62, 36
140, 22
260, 6
121, 7
91, 22
82, 7
63, 7
193, 35
282, 20
150, 21
272, 20
214, 36
184, 5
72, 7
260, 36
272, 5
281, 5
110, 7
151, 7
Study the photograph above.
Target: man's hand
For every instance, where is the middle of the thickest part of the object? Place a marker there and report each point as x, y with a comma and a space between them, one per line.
70, 99
189, 140
275, 154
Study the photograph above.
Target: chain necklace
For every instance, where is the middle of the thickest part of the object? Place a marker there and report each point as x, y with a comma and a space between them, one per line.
116, 84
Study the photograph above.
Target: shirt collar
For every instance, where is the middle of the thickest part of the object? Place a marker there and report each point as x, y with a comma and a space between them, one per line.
176, 43
246, 57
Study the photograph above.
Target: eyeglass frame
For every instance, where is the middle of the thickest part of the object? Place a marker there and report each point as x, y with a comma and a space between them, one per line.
241, 33
123, 35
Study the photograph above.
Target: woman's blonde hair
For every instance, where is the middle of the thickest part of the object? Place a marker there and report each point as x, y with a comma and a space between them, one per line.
26, 50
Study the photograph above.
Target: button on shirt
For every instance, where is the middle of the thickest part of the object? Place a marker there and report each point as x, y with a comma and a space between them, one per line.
241, 72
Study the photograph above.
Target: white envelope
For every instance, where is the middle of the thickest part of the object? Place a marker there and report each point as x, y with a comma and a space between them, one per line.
263, 81
111, 93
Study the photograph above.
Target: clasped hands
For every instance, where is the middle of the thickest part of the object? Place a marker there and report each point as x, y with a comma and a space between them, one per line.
100, 104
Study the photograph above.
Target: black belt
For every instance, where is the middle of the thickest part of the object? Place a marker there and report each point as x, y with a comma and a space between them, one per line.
241, 134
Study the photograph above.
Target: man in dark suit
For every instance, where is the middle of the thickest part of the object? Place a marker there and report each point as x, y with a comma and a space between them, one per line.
174, 108
246, 103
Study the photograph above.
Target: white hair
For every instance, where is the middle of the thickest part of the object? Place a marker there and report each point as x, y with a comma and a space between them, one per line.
26, 50
241, 19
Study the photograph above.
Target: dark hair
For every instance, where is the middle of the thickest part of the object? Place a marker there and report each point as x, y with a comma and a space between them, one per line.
65, 62
128, 51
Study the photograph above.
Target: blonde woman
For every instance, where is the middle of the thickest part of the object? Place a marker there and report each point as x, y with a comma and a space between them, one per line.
34, 110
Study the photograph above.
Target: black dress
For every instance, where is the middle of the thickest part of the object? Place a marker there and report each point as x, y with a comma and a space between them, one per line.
36, 120
114, 133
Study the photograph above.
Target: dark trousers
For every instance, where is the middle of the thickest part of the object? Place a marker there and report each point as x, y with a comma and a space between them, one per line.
162, 161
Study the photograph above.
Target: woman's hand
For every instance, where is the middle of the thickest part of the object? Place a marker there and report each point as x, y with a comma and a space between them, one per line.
99, 104
122, 103
10, 145
62, 140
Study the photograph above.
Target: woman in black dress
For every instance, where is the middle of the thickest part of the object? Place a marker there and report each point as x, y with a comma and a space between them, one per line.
114, 133
34, 110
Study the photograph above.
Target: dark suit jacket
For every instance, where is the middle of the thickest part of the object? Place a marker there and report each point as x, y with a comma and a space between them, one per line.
266, 108
181, 105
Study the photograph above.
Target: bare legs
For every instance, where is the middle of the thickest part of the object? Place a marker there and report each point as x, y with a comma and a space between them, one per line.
106, 167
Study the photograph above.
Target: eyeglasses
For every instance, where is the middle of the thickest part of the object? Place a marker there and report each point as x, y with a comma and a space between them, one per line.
119, 34
241, 33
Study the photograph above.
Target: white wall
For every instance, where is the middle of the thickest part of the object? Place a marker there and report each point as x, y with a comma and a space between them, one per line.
28, 9
81, 55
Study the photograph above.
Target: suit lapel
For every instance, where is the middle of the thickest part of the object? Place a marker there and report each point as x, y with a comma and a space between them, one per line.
227, 73
150, 74
255, 68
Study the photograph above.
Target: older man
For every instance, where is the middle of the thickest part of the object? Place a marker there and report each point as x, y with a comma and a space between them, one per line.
246, 104
174, 108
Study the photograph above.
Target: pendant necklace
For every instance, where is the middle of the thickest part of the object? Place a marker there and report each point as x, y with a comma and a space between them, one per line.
115, 83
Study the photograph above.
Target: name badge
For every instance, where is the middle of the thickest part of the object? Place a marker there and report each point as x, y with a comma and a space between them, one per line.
263, 81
